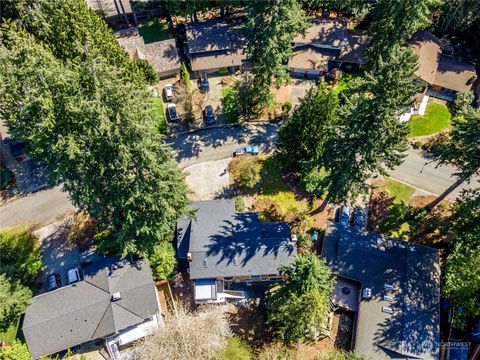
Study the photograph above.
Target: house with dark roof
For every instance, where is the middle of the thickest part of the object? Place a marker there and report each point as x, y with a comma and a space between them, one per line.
162, 55
223, 248
116, 302
214, 45
327, 44
443, 76
392, 287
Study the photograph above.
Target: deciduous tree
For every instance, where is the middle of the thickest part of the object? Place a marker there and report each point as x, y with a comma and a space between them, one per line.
14, 298
302, 303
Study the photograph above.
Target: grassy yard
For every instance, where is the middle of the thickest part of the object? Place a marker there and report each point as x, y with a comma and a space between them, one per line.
401, 192
155, 30
437, 118
161, 124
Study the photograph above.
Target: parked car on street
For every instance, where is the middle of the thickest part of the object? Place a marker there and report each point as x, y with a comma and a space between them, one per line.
73, 275
53, 282
168, 92
247, 150
209, 114
359, 218
344, 215
172, 112
203, 82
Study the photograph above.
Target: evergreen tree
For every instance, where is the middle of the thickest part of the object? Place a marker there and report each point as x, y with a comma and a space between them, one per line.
14, 298
186, 7
462, 148
92, 126
346, 7
270, 29
392, 22
302, 303
301, 141
462, 275
370, 137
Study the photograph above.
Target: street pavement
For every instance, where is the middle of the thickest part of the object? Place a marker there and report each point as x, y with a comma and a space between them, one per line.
46, 206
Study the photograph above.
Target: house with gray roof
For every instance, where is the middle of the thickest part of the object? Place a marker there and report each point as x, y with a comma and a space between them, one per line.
116, 302
392, 287
327, 44
223, 247
214, 45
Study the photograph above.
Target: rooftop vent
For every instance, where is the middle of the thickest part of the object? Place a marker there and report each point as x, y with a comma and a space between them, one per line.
116, 296
205, 263
367, 293
235, 261
387, 309
412, 248
189, 256
346, 290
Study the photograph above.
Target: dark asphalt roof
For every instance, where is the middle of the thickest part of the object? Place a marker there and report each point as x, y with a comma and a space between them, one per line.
225, 243
414, 272
75, 314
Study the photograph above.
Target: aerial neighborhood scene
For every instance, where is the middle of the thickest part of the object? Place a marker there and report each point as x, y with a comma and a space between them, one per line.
239, 179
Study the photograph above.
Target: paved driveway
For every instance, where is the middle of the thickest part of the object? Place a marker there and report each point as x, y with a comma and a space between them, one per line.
208, 180
299, 89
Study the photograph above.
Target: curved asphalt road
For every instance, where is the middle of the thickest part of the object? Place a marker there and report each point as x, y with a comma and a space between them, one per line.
47, 206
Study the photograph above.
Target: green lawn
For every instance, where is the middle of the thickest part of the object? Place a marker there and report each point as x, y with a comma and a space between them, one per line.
401, 192
161, 124
436, 118
155, 30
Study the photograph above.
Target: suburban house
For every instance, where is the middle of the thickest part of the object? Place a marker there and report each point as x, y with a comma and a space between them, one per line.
327, 44
115, 304
392, 287
226, 251
162, 55
214, 46
443, 76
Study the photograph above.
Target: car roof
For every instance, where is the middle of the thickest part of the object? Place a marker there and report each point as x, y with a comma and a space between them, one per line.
171, 106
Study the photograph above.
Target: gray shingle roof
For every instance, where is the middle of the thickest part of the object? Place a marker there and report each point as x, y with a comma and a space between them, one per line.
84, 311
414, 272
224, 243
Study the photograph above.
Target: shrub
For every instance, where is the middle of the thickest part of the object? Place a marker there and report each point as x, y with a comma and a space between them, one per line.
246, 171
149, 72
6, 178
230, 106
14, 298
185, 75
163, 261
304, 244
236, 349
20, 255
269, 209
240, 204
287, 107
16, 351
223, 71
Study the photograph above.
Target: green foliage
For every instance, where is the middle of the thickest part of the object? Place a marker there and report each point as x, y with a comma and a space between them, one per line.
240, 204
230, 107
149, 73
436, 118
270, 49
301, 143
369, 137
287, 107
341, 355
236, 349
186, 7
399, 191
245, 171
185, 75
92, 125
462, 278
6, 178
163, 261
303, 302
462, 102
390, 26
68, 27
462, 149
16, 351
19, 255
223, 71
155, 30
14, 298
357, 8
314, 181
160, 123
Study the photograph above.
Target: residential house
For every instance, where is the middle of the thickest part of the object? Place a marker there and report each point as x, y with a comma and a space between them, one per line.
162, 55
225, 250
214, 45
111, 9
392, 287
442, 75
116, 303
327, 44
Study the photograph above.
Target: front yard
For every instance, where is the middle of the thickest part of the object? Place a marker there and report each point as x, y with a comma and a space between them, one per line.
437, 118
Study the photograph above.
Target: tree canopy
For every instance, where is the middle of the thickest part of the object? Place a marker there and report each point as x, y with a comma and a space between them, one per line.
14, 298
462, 278
92, 125
302, 303
270, 49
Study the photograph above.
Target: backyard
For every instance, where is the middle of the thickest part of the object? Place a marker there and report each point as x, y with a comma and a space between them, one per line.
155, 30
437, 118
